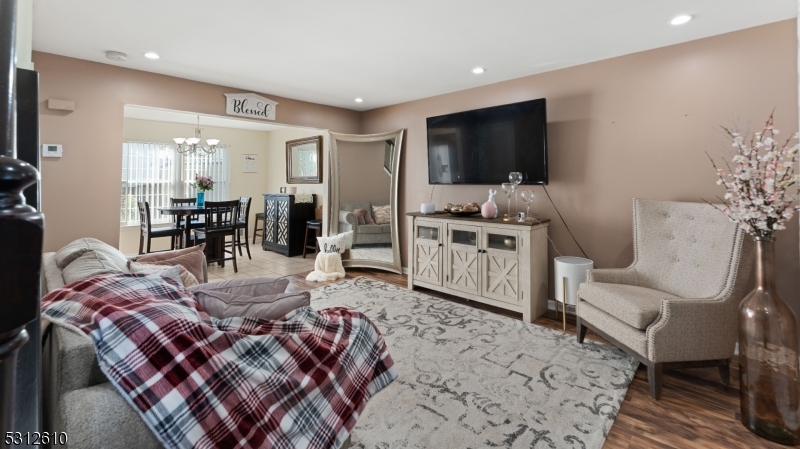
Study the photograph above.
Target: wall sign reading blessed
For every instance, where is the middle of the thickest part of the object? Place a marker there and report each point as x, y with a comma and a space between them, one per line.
250, 105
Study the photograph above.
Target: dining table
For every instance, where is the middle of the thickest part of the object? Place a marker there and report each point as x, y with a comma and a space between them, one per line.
183, 211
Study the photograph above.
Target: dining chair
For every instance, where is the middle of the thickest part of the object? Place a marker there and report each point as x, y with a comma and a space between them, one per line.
242, 223
146, 230
220, 222
193, 220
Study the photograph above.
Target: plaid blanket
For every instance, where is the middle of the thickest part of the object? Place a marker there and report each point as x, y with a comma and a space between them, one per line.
197, 381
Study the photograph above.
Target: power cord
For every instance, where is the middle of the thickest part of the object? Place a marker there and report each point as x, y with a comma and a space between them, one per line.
548, 238
565, 224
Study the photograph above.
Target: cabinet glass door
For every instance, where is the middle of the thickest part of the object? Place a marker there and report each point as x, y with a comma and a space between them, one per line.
282, 220
500, 265
270, 209
427, 260
462, 258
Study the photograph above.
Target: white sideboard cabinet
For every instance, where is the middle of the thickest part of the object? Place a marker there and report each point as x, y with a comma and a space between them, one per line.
491, 261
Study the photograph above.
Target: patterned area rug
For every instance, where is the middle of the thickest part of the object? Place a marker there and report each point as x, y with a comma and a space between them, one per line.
474, 379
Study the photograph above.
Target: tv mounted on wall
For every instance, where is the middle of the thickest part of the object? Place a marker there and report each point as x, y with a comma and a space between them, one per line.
484, 145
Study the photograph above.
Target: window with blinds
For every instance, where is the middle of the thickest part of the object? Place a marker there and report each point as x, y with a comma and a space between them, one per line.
155, 172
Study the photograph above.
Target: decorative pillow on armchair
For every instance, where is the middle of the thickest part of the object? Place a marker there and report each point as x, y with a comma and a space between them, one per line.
383, 214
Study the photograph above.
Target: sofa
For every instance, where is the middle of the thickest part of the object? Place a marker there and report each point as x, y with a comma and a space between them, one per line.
77, 397
364, 234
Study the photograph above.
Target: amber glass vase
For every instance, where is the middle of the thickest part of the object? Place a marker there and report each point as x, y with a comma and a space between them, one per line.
768, 356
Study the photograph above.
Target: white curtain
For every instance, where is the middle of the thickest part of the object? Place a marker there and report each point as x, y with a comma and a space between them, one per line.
216, 166
155, 172
148, 174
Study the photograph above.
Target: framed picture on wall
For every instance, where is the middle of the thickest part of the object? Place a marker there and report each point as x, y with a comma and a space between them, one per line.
249, 163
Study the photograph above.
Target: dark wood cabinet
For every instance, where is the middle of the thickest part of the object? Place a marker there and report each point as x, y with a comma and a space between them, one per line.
285, 217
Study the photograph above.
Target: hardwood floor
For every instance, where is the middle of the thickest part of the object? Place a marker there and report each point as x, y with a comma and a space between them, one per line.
695, 411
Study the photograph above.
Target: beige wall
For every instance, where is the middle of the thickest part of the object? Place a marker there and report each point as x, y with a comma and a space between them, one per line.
361, 173
241, 142
276, 164
633, 126
80, 191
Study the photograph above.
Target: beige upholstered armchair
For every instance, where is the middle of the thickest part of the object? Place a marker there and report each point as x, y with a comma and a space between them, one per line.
676, 305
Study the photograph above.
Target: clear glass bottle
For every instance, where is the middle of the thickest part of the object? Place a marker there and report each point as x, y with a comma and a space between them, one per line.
768, 356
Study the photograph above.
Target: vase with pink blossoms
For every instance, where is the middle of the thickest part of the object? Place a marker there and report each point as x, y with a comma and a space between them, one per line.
761, 185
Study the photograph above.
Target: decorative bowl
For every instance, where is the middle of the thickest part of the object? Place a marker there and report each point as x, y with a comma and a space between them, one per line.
464, 214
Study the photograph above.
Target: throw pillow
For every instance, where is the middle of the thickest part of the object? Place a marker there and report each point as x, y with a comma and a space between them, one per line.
383, 214
269, 307
173, 273
348, 239
259, 286
192, 261
333, 244
368, 217
187, 278
359, 213
90, 263
77, 248
164, 255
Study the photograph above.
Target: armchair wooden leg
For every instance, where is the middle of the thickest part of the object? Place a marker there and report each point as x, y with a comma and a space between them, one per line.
580, 330
725, 372
654, 378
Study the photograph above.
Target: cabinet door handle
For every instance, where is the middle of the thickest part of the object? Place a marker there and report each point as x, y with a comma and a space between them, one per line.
441, 244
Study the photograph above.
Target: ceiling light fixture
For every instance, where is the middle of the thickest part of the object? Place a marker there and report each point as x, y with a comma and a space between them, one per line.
478, 70
151, 55
116, 56
190, 145
359, 100
680, 20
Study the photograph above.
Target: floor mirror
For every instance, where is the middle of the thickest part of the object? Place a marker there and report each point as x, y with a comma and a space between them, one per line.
365, 173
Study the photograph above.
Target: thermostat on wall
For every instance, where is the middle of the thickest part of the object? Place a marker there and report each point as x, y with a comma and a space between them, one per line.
51, 150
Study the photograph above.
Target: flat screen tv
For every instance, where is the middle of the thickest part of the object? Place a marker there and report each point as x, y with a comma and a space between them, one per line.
484, 145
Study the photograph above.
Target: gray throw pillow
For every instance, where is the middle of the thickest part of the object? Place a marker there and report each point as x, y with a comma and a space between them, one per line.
90, 263
77, 248
269, 307
259, 286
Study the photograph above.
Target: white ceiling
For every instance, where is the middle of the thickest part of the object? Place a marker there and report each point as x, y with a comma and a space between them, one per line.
331, 52
190, 118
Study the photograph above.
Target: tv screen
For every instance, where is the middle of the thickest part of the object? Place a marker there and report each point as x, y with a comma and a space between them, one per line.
483, 146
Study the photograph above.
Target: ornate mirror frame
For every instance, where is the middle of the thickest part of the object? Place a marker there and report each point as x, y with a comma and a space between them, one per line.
333, 215
290, 145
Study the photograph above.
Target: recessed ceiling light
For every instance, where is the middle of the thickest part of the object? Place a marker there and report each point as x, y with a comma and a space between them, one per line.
116, 56
359, 100
151, 55
680, 20
478, 70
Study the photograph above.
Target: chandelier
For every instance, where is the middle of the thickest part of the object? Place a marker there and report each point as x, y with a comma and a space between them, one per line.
192, 144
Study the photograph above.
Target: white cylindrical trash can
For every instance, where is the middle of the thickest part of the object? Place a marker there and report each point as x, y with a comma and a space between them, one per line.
569, 273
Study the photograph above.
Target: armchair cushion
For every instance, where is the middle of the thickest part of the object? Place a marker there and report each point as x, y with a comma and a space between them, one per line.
635, 306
